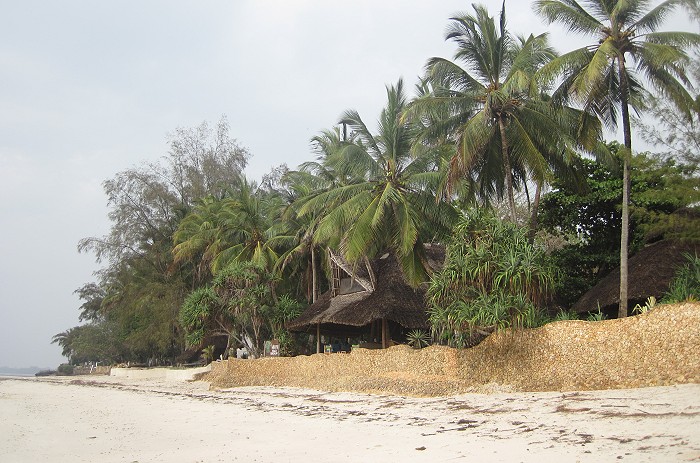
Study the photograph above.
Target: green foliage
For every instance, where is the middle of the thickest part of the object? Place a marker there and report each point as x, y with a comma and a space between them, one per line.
668, 129
596, 316
208, 354
92, 342
565, 315
239, 227
240, 305
507, 133
133, 308
245, 292
648, 305
418, 339
493, 278
385, 197
686, 284
286, 309
65, 369
277, 315
196, 315
588, 219
629, 51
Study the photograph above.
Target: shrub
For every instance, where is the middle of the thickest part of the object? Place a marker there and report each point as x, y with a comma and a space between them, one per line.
566, 315
418, 339
65, 369
686, 284
596, 316
493, 278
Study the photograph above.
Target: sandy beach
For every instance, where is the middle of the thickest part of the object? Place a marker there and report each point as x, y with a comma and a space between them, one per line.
111, 419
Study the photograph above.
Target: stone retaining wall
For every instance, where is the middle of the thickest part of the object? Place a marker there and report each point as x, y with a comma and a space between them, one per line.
99, 370
657, 348
167, 374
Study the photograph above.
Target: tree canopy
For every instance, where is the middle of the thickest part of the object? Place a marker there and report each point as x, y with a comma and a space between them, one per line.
199, 257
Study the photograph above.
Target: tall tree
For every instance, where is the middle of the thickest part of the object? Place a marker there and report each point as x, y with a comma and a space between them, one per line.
389, 204
139, 293
587, 223
602, 79
237, 228
505, 129
236, 305
312, 179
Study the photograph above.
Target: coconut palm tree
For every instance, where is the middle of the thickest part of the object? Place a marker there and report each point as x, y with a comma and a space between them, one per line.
506, 132
312, 179
236, 228
388, 203
198, 238
608, 76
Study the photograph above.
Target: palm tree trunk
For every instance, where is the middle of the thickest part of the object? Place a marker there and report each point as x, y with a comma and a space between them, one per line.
507, 168
533, 214
314, 290
624, 235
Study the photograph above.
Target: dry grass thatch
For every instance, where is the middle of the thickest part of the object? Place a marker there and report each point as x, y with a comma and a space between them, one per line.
651, 271
656, 348
392, 299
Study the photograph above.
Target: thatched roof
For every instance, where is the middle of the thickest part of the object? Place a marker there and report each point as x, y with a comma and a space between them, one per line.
392, 299
359, 272
650, 272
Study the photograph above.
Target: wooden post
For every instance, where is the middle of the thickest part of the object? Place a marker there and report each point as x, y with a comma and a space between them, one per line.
318, 338
384, 340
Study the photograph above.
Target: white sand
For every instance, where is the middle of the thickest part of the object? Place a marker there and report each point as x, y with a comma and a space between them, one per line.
108, 419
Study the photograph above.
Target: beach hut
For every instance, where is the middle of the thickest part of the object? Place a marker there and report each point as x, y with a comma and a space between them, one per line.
651, 271
369, 299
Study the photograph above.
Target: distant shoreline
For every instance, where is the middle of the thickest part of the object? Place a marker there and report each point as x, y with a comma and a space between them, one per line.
27, 371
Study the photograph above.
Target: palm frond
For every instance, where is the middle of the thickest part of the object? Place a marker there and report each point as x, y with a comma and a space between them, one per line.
655, 17
574, 17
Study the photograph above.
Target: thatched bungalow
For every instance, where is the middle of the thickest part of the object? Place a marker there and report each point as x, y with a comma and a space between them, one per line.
650, 272
368, 299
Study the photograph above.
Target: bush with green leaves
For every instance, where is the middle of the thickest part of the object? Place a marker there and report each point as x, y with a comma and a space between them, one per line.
65, 369
418, 339
493, 278
648, 305
686, 284
208, 353
596, 316
196, 315
565, 315
285, 309
240, 304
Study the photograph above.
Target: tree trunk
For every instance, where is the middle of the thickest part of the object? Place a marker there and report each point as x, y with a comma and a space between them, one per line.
384, 336
318, 338
508, 170
314, 290
627, 158
533, 215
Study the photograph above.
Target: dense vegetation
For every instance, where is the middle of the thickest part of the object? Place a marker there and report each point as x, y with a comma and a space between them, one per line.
499, 155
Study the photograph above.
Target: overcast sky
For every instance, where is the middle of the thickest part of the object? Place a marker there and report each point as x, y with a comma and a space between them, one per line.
88, 89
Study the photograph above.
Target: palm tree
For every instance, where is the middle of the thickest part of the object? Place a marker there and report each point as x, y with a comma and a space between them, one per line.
236, 228
297, 237
198, 238
386, 201
600, 76
505, 130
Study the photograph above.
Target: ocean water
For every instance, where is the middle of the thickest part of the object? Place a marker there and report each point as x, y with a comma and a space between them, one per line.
28, 371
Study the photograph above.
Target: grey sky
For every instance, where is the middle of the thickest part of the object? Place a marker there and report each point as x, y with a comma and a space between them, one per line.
91, 88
